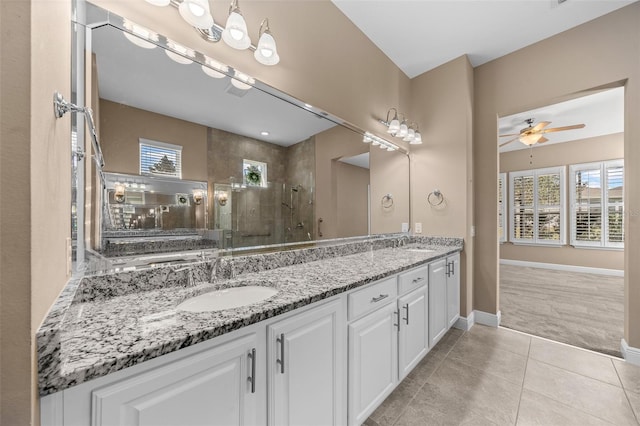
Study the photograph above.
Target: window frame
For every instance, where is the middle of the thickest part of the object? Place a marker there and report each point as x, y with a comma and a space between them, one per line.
177, 149
502, 208
535, 173
602, 166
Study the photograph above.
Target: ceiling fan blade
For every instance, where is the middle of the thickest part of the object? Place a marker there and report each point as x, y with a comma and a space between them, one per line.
508, 142
543, 140
560, 129
509, 134
541, 125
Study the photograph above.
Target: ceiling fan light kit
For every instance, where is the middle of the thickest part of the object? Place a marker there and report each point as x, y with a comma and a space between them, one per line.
532, 135
197, 13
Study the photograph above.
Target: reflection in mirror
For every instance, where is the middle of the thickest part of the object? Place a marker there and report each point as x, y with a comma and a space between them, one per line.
272, 171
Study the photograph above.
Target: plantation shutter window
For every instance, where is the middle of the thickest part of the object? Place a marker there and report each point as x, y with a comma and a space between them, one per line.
537, 206
597, 205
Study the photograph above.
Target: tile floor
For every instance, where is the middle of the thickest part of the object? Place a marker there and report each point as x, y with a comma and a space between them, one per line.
496, 376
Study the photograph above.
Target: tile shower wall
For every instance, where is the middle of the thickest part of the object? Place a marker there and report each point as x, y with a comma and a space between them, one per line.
263, 215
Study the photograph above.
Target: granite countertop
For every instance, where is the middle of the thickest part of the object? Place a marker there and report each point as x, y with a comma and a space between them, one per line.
90, 339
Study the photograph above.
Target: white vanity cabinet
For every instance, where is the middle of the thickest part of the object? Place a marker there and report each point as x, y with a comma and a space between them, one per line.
413, 339
216, 386
453, 289
305, 368
438, 323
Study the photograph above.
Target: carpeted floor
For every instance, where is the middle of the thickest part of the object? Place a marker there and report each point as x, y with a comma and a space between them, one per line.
580, 309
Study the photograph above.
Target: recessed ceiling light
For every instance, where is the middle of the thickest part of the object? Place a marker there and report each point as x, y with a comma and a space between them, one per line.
264, 133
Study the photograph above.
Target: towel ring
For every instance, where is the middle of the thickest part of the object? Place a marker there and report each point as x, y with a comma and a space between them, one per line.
387, 201
435, 198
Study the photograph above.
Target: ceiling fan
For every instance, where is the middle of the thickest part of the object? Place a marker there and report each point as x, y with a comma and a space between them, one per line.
534, 134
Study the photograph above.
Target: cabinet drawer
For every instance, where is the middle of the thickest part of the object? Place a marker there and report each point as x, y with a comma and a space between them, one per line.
413, 279
372, 297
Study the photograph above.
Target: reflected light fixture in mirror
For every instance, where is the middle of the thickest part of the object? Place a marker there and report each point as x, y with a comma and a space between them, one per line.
139, 34
198, 195
401, 129
242, 81
219, 70
183, 53
379, 142
197, 13
118, 192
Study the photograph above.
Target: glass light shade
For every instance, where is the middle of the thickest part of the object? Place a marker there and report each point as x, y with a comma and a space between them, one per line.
266, 53
394, 126
366, 139
196, 13
402, 132
242, 81
140, 35
417, 140
411, 134
531, 139
375, 143
235, 32
159, 2
383, 146
214, 68
390, 149
182, 51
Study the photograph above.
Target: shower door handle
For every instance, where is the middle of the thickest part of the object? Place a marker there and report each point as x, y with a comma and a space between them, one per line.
319, 231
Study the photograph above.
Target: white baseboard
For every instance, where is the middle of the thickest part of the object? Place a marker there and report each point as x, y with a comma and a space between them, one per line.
569, 268
485, 318
465, 324
629, 353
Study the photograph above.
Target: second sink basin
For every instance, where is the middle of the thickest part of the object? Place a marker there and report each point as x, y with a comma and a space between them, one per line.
227, 298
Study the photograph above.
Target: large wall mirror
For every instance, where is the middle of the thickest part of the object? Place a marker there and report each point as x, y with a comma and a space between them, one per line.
195, 149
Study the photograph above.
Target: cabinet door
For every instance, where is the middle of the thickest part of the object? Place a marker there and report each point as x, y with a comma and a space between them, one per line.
453, 289
437, 301
305, 368
373, 362
210, 388
414, 331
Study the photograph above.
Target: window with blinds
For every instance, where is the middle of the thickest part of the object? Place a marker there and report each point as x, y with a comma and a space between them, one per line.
502, 207
160, 159
597, 204
536, 200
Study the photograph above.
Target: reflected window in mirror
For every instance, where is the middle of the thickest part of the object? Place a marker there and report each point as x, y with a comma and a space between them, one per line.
160, 159
254, 173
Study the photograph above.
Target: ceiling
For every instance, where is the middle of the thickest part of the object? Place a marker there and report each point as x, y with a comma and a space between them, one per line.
149, 80
602, 113
419, 35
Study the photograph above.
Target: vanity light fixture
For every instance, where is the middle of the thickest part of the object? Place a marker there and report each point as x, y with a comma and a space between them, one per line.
198, 196
183, 53
242, 81
402, 129
118, 192
219, 70
266, 52
376, 141
139, 35
197, 13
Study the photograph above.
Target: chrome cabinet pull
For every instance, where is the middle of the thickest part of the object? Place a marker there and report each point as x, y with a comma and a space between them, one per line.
397, 324
252, 378
281, 360
417, 280
379, 298
406, 307
448, 269
319, 231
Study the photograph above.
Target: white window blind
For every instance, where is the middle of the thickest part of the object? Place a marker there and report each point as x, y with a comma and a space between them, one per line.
597, 205
502, 207
536, 200
160, 159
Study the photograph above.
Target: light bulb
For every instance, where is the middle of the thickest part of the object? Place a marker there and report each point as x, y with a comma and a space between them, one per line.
196, 13
417, 140
411, 134
266, 53
394, 126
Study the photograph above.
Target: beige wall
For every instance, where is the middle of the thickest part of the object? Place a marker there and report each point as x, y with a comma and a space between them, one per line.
520, 81
389, 174
352, 199
35, 222
442, 104
121, 126
599, 148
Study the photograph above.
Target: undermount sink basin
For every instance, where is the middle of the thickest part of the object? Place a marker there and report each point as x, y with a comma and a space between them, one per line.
227, 298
